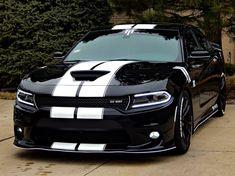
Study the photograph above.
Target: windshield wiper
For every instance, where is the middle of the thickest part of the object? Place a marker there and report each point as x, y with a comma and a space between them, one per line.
73, 61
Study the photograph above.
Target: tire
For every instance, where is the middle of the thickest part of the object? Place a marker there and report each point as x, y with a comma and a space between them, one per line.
183, 123
221, 101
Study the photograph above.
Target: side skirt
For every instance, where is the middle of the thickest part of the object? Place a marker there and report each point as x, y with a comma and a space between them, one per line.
205, 118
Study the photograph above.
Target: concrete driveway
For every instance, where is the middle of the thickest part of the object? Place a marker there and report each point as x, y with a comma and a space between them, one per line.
212, 153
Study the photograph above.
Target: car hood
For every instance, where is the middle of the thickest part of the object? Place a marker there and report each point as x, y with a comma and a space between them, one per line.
92, 75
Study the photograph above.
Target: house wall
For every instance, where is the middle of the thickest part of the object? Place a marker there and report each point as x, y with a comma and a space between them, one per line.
228, 45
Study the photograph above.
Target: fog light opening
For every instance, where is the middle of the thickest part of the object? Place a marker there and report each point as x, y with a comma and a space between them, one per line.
154, 135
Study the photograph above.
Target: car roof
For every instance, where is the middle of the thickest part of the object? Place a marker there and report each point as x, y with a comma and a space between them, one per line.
148, 26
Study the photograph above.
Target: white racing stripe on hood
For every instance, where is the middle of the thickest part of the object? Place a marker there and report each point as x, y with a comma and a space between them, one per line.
98, 87
67, 86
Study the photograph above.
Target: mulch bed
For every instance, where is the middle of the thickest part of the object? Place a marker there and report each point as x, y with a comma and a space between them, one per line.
230, 101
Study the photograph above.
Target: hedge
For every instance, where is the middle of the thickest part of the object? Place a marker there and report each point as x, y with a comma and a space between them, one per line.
30, 30
229, 69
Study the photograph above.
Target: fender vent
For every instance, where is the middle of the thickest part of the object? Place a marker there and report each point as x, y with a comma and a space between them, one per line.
90, 75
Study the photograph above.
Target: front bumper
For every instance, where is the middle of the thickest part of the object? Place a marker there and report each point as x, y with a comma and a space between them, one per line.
119, 132
152, 150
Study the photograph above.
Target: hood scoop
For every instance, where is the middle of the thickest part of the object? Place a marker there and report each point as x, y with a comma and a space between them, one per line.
89, 75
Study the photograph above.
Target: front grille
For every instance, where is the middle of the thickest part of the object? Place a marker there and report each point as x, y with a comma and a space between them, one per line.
105, 102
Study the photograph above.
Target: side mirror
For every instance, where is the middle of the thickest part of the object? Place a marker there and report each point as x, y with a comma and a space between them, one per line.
196, 58
216, 46
199, 55
58, 55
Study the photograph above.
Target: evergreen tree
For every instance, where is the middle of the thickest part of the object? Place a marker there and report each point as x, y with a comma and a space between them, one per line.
212, 16
31, 30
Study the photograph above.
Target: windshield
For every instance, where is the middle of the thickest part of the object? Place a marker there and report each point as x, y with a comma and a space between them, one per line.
143, 45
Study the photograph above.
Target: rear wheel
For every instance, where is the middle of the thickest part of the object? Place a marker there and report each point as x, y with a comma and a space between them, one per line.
183, 124
221, 101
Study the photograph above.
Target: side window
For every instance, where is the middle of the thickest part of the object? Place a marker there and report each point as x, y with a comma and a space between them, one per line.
191, 44
202, 41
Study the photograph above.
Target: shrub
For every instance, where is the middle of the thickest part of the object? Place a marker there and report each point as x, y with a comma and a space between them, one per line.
30, 30
229, 69
230, 84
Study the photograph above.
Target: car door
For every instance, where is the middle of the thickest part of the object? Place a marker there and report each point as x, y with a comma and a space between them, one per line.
210, 74
196, 67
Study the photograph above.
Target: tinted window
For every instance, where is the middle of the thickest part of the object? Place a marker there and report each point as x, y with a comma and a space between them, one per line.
202, 41
149, 45
190, 42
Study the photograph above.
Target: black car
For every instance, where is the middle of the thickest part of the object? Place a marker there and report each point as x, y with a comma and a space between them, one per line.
132, 88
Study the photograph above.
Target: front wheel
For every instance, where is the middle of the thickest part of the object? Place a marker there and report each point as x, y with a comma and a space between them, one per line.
183, 123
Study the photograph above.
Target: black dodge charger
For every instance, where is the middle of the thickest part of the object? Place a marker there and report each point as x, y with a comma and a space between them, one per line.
132, 88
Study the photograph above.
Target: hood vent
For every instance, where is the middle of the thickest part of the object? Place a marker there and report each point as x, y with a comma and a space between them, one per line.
90, 75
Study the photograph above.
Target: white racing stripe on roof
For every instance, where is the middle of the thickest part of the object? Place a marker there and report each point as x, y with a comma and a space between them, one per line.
92, 147
90, 113
144, 26
62, 112
67, 86
123, 26
63, 146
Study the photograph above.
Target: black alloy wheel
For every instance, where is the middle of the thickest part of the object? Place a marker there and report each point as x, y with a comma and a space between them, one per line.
183, 123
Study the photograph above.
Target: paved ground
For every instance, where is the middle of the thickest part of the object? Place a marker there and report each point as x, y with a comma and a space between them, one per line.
212, 153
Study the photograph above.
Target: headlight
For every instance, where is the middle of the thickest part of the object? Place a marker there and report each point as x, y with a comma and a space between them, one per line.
150, 99
25, 97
